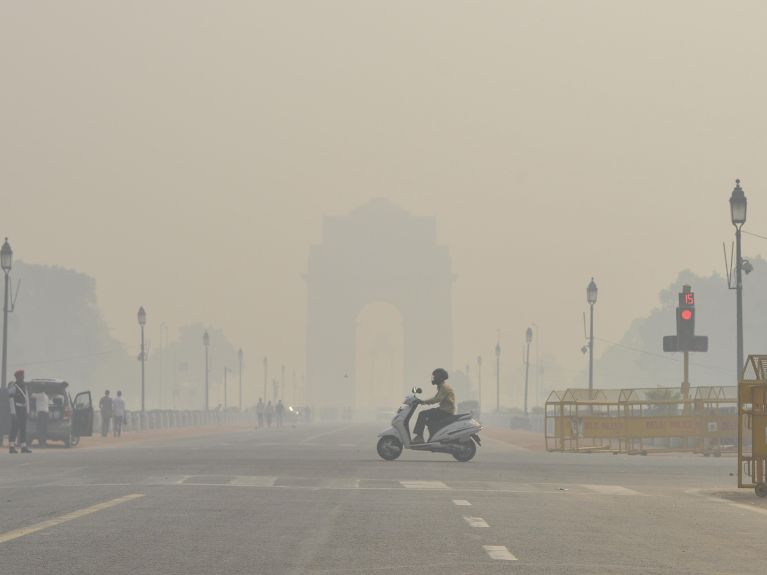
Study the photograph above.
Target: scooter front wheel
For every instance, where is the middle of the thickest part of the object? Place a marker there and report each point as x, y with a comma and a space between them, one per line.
389, 447
465, 451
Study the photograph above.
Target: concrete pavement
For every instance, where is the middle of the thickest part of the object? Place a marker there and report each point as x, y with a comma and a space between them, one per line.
317, 499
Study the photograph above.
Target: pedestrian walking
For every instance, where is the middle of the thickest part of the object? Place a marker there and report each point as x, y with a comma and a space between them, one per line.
41, 414
19, 400
279, 411
269, 413
260, 412
105, 405
118, 414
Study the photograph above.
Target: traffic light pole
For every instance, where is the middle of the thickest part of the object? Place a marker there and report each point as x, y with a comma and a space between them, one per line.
686, 382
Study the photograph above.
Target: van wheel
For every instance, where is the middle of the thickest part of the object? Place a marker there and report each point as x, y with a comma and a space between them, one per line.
465, 451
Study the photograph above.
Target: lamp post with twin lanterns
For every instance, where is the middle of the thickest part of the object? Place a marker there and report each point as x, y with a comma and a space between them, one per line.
6, 260
142, 355
591, 298
738, 205
206, 343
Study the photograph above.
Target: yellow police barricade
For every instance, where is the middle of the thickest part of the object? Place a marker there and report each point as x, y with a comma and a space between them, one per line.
752, 425
638, 421
583, 420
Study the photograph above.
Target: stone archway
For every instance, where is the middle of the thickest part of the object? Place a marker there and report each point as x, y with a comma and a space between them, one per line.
379, 252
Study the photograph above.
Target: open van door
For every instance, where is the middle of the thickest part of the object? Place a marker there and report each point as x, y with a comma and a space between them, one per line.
82, 418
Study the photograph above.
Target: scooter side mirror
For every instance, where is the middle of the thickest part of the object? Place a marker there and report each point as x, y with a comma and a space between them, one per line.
417, 390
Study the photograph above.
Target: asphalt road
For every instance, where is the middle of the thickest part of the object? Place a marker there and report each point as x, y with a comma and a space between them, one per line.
317, 499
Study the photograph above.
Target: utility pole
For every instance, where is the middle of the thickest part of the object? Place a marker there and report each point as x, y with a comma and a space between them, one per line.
239, 356
498, 375
6, 259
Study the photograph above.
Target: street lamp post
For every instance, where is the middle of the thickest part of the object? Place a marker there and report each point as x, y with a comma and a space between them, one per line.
591, 298
142, 356
498, 377
206, 343
479, 381
738, 206
239, 357
6, 261
266, 377
529, 337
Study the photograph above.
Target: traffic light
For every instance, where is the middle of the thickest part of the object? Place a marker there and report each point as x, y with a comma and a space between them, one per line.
685, 327
685, 338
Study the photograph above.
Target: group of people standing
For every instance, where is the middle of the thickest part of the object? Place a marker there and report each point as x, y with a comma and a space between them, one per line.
112, 410
267, 412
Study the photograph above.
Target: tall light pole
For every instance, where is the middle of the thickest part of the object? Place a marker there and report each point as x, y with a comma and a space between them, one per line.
591, 298
479, 381
498, 376
142, 356
282, 382
529, 338
239, 357
6, 261
226, 387
738, 205
206, 343
266, 377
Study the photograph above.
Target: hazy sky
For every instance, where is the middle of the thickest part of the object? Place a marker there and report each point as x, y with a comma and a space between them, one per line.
184, 153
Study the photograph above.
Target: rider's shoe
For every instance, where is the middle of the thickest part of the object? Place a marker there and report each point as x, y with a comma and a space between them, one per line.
418, 439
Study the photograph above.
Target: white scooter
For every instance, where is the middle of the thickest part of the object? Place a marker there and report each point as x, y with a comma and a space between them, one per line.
457, 437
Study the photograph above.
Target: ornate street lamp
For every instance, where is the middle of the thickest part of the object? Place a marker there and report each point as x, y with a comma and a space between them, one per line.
206, 343
6, 262
591, 298
738, 208
142, 356
529, 339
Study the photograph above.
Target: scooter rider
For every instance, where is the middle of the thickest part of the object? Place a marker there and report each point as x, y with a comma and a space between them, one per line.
445, 397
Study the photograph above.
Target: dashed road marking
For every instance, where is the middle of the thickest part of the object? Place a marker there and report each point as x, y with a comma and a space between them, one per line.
499, 553
16, 533
476, 522
612, 490
461, 502
424, 485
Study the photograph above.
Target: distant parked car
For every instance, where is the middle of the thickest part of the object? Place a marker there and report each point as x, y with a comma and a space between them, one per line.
68, 420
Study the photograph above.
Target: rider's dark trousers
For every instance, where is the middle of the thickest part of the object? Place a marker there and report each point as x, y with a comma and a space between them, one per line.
431, 417
18, 426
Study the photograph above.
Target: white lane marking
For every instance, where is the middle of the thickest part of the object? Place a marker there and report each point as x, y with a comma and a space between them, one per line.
423, 485
499, 553
461, 502
612, 489
253, 480
476, 521
16, 533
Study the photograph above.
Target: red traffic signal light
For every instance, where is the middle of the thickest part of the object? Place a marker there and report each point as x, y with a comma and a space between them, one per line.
686, 314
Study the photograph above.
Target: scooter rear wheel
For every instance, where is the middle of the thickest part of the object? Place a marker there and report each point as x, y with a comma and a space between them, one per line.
389, 447
465, 451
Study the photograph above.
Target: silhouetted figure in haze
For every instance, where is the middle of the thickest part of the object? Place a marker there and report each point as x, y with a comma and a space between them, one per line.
118, 414
105, 405
260, 408
269, 413
19, 400
280, 413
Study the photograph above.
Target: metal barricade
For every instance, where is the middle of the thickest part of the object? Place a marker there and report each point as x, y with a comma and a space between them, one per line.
752, 425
